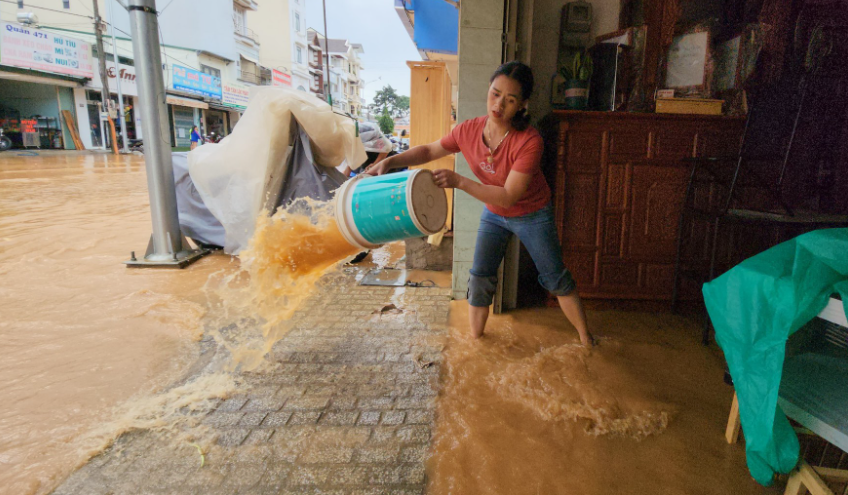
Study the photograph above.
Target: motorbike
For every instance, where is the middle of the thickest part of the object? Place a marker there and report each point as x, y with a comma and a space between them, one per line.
5, 142
212, 138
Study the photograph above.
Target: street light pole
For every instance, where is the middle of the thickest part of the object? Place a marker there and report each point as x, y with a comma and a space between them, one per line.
327, 54
167, 246
125, 148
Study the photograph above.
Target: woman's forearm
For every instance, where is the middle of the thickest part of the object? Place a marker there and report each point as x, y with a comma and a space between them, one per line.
417, 155
493, 195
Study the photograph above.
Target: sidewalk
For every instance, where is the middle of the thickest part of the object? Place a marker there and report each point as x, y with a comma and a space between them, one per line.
348, 408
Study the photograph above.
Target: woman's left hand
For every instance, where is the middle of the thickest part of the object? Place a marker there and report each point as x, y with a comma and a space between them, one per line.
446, 178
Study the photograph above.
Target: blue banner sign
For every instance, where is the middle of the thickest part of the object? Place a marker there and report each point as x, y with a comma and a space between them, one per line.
194, 82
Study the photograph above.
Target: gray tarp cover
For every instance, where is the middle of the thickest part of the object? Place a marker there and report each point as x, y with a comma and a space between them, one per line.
302, 178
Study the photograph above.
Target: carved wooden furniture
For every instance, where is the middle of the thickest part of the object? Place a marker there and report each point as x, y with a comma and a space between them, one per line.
618, 192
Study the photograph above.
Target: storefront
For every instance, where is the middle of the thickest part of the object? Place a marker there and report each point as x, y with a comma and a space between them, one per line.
94, 131
235, 98
39, 75
183, 114
190, 82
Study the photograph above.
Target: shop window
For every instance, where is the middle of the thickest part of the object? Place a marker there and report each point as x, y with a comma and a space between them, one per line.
210, 70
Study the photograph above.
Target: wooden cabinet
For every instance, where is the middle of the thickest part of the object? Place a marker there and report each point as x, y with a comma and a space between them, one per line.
618, 193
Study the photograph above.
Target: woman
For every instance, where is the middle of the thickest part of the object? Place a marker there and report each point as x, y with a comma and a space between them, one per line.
195, 137
504, 153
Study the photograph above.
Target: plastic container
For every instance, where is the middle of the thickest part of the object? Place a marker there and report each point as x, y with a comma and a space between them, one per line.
371, 211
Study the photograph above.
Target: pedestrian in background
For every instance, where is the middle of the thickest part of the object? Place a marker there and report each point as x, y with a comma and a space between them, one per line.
195, 137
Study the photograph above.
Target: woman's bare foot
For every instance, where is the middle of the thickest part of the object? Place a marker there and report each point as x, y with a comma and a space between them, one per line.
589, 341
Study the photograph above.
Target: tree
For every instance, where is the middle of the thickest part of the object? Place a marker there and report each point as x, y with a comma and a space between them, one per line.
402, 105
388, 100
387, 125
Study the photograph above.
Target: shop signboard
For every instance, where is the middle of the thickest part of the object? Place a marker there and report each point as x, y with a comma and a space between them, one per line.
236, 95
195, 82
125, 72
30, 48
280, 79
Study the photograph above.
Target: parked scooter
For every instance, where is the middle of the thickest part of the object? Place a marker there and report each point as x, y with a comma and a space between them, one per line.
212, 138
5, 142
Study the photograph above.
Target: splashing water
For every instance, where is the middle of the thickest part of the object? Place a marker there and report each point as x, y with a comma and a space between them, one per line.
288, 253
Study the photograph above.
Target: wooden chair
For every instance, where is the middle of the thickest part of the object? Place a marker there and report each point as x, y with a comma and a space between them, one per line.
750, 188
813, 393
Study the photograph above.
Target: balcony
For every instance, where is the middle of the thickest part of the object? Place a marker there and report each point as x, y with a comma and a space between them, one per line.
249, 77
246, 36
247, 4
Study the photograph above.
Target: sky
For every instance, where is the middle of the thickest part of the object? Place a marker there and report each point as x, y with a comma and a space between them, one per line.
376, 26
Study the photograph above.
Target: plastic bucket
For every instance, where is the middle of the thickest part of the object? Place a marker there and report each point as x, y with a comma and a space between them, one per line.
371, 211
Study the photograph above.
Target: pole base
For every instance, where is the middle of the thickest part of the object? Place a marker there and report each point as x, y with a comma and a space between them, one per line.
181, 260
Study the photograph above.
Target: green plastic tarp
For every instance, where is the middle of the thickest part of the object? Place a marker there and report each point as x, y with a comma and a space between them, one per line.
754, 308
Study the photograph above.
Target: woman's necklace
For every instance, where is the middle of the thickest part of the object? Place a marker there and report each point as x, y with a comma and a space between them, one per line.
491, 156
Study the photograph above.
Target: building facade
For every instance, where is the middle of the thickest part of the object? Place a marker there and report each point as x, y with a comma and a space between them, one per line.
207, 75
345, 85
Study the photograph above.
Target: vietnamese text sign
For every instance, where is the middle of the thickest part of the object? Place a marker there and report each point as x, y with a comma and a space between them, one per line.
236, 95
125, 72
31, 48
194, 82
280, 79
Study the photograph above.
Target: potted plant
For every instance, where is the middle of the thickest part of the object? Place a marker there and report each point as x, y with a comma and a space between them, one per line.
577, 75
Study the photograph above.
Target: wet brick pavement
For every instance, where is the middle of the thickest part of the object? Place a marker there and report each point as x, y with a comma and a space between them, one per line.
347, 407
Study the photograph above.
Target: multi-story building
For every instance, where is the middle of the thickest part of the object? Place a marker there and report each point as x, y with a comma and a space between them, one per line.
284, 53
207, 72
345, 71
316, 64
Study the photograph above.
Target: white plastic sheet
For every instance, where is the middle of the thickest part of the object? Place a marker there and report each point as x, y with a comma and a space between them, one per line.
242, 174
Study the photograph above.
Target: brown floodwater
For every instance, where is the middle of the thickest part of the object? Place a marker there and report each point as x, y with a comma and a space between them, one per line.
527, 410
80, 333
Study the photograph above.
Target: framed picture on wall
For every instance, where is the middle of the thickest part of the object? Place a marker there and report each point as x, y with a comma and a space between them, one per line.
689, 64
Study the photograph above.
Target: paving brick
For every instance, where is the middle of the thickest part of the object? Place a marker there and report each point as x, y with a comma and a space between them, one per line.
276, 419
414, 453
420, 416
339, 418
369, 418
306, 403
304, 417
393, 417
414, 434
233, 438
384, 453
252, 419
222, 419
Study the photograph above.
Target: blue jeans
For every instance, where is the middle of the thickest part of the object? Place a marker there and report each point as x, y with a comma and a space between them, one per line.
537, 231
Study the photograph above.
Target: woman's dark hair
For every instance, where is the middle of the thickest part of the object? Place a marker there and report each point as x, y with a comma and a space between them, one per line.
523, 75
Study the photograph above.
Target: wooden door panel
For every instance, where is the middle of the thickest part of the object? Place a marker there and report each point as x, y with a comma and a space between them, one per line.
655, 211
582, 268
584, 151
579, 228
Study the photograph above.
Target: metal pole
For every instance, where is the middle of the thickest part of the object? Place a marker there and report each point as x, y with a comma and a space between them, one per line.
167, 246
327, 54
101, 59
118, 74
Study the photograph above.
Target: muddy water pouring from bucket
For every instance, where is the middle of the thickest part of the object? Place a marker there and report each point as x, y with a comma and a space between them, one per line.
296, 246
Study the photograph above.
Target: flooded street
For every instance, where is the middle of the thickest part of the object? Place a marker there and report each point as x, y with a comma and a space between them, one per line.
81, 333
526, 410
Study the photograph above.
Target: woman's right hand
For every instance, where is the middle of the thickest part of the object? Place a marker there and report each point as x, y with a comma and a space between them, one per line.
378, 168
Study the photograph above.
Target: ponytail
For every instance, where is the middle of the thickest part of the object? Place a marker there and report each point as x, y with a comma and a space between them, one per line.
521, 120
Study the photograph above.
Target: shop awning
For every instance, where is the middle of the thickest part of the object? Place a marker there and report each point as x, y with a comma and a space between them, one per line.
226, 108
14, 76
436, 26
186, 102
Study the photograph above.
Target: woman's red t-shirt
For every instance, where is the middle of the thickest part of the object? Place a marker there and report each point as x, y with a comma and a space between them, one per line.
520, 151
